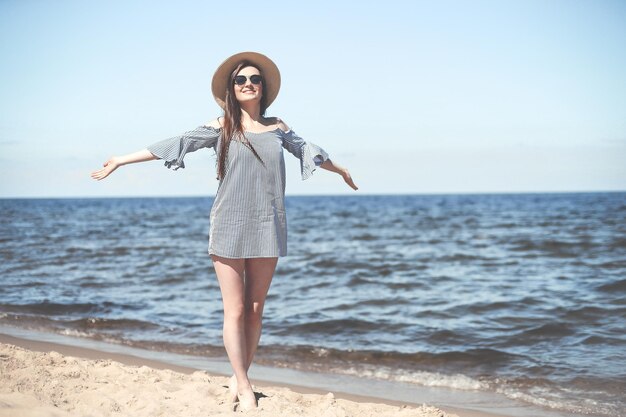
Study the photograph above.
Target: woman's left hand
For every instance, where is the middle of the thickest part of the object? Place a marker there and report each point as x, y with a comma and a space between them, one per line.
348, 179
331, 166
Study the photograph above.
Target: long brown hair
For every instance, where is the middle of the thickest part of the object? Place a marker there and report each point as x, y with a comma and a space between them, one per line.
232, 119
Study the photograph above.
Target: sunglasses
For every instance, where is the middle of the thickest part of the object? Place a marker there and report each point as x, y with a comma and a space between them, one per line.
254, 79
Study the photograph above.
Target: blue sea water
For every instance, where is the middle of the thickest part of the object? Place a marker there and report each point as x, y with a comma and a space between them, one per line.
520, 294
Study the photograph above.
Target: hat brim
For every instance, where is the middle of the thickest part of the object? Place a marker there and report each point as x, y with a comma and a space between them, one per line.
269, 70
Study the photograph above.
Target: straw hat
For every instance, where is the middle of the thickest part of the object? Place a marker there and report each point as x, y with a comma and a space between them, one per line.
269, 70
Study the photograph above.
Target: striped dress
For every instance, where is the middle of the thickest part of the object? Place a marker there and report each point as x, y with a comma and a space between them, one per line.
248, 218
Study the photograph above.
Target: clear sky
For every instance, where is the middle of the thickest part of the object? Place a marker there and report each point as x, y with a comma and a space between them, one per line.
411, 96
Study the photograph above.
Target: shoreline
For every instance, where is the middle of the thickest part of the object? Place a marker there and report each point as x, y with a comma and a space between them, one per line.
130, 361
449, 402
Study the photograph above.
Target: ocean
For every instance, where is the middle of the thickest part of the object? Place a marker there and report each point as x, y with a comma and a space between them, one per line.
523, 295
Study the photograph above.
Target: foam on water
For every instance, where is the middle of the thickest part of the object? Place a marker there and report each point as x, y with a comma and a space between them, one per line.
427, 379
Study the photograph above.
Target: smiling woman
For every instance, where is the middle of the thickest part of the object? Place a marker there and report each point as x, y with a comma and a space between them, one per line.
248, 230
242, 93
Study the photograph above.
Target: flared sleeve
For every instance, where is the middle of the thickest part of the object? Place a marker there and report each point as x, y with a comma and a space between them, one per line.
311, 156
173, 150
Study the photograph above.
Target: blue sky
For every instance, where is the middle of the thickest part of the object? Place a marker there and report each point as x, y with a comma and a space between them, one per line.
412, 97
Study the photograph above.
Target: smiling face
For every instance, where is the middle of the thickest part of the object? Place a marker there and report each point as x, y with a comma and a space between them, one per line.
248, 91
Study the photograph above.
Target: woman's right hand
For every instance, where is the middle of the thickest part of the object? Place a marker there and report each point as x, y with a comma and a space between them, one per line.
109, 166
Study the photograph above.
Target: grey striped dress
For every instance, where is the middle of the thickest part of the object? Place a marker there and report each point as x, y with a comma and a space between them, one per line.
248, 218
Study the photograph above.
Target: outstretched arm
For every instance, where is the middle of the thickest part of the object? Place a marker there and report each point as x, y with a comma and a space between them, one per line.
296, 145
334, 167
117, 161
172, 150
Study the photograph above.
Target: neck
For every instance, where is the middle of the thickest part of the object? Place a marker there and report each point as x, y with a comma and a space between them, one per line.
250, 113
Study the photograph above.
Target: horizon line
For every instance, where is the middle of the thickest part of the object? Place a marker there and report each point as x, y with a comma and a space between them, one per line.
322, 195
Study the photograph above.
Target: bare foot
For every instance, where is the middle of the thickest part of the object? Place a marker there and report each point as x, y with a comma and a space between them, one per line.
247, 399
232, 388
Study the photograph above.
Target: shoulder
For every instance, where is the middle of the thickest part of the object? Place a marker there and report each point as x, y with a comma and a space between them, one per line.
217, 123
280, 123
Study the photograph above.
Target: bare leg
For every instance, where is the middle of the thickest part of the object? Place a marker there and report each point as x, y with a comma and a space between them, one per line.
230, 275
244, 285
259, 273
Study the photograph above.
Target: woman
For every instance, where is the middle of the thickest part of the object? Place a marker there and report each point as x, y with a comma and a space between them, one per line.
248, 228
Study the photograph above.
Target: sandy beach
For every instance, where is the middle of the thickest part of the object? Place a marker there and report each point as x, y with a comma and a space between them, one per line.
43, 379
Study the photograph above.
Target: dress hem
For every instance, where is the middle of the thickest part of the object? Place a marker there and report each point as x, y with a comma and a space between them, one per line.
245, 256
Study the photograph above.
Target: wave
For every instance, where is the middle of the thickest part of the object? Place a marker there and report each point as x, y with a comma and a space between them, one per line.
47, 308
555, 248
423, 378
365, 237
617, 286
111, 324
570, 396
458, 257
618, 243
88, 326
55, 309
334, 326
431, 361
613, 265
545, 332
